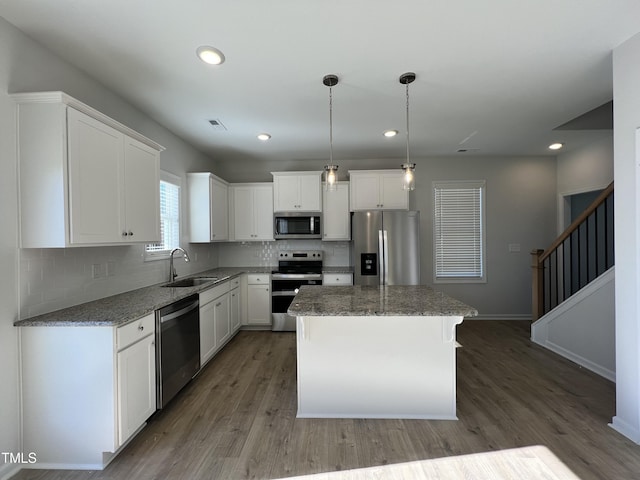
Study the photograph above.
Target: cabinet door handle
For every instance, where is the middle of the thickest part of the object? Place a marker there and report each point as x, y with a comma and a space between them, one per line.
124, 234
218, 304
131, 234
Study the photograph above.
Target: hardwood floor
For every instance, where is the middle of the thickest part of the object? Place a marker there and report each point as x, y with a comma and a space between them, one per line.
236, 420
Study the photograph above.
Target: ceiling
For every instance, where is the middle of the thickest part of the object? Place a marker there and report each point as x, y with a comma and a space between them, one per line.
494, 77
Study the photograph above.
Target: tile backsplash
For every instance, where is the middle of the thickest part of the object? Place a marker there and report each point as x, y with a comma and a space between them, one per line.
265, 254
55, 278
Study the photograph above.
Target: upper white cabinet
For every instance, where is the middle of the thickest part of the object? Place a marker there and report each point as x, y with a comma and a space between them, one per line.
208, 208
251, 211
85, 179
336, 216
378, 190
297, 191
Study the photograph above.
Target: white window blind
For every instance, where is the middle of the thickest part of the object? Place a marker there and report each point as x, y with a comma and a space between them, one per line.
459, 231
169, 219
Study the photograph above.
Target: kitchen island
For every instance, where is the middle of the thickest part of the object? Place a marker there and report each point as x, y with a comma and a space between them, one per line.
376, 351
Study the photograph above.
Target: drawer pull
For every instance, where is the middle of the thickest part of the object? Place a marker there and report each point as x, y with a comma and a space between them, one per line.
141, 327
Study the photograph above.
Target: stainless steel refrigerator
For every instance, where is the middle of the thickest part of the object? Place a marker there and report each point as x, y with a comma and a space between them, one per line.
386, 247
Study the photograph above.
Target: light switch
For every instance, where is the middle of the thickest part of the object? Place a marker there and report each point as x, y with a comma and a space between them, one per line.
514, 247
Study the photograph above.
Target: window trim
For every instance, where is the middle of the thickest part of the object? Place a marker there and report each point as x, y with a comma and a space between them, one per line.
150, 256
481, 184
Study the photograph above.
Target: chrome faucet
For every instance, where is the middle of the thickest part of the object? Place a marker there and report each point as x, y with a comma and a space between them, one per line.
172, 269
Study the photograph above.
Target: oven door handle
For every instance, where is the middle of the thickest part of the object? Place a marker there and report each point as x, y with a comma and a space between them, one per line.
284, 293
296, 276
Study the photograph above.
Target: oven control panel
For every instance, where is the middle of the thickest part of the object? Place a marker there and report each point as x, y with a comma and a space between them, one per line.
307, 255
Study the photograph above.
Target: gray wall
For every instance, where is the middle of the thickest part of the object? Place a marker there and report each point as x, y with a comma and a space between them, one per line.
521, 209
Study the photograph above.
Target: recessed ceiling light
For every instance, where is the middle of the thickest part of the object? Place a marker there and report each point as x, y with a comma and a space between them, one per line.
556, 146
210, 55
390, 133
264, 137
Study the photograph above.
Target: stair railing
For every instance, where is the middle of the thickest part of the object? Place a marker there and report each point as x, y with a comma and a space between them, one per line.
578, 256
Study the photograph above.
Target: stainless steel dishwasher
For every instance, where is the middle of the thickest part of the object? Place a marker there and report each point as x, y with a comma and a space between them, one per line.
177, 347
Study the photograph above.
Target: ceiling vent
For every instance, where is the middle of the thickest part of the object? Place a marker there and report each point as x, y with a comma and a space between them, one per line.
217, 125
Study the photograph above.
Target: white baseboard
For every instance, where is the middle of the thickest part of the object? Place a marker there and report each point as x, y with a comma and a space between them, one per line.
8, 470
501, 316
583, 362
624, 428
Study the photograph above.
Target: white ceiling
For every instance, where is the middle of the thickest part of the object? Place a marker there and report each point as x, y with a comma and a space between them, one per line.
504, 73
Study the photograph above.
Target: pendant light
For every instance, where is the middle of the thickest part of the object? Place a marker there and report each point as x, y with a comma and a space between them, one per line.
409, 180
331, 170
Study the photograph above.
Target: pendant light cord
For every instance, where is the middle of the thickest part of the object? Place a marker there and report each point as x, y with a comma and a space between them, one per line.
331, 125
407, 93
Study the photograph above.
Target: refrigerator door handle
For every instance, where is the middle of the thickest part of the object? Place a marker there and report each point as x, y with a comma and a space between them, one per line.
381, 252
385, 241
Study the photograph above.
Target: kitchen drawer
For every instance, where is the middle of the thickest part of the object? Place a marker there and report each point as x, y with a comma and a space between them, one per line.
134, 331
234, 283
211, 294
337, 279
258, 279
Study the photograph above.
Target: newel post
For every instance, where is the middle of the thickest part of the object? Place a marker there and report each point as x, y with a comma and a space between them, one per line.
537, 285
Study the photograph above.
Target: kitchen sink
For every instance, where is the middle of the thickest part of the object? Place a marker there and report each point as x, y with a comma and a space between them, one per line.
191, 282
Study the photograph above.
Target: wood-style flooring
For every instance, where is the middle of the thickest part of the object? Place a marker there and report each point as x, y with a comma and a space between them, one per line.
237, 419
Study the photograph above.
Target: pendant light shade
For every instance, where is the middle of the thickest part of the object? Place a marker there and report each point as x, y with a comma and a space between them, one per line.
331, 170
408, 181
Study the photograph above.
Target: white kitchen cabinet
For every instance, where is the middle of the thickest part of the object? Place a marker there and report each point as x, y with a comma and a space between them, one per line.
234, 305
377, 190
336, 216
136, 378
98, 379
258, 299
251, 209
85, 179
297, 191
208, 208
214, 320
337, 279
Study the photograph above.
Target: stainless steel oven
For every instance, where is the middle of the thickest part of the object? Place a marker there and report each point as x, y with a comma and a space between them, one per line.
177, 347
295, 268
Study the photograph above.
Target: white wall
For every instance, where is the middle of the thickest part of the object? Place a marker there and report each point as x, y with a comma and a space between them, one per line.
9, 400
584, 170
626, 99
58, 278
521, 209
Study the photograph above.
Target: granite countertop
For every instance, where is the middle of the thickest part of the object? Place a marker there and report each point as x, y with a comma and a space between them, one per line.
360, 300
128, 306
337, 269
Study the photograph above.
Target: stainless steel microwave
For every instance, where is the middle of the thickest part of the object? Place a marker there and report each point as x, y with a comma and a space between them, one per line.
297, 225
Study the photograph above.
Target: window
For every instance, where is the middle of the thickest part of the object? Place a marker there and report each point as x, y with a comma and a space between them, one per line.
169, 218
458, 232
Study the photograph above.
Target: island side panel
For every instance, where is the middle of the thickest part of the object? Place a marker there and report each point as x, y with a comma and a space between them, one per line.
376, 367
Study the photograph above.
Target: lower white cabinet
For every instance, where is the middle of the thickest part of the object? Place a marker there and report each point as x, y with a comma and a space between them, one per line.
136, 379
219, 317
337, 279
258, 299
234, 309
85, 390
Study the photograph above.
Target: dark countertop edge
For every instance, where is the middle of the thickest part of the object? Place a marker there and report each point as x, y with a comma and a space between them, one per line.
464, 314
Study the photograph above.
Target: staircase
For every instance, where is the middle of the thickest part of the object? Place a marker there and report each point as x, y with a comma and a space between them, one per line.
573, 290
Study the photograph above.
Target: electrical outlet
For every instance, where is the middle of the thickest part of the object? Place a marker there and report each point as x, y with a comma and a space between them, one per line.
97, 271
514, 247
111, 268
